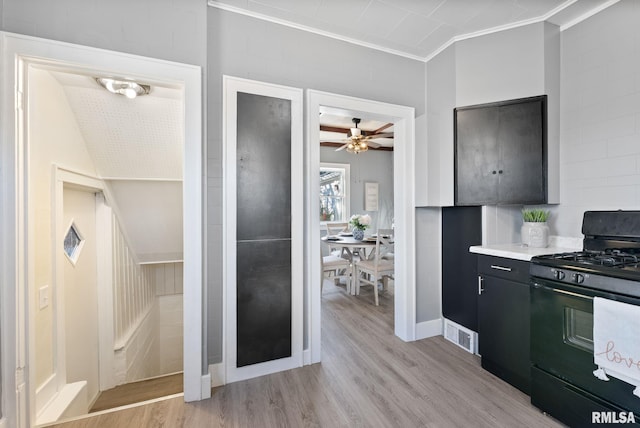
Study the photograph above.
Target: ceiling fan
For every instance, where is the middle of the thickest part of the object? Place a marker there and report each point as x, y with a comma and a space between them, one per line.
359, 141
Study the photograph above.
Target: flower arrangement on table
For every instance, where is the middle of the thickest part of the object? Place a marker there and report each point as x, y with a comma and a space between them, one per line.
359, 223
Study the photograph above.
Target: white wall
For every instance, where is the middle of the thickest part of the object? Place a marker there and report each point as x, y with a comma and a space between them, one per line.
600, 116
151, 214
172, 30
245, 47
54, 138
154, 341
517, 63
372, 166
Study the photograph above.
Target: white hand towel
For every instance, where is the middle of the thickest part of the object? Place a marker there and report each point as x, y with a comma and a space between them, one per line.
616, 341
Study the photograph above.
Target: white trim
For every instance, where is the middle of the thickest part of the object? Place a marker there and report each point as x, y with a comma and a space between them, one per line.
429, 328
205, 386
404, 211
16, 50
232, 86
104, 265
46, 392
306, 357
588, 14
217, 374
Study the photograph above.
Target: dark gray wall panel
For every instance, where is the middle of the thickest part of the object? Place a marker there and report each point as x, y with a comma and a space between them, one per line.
264, 167
263, 229
264, 301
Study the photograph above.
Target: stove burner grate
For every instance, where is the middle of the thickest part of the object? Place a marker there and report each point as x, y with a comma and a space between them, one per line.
610, 258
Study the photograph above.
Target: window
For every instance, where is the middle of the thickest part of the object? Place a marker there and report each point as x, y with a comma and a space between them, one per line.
334, 192
73, 243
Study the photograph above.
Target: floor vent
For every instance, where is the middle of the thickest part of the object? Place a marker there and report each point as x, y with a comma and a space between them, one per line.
461, 336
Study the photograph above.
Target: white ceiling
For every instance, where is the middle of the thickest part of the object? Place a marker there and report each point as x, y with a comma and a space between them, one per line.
138, 138
136, 146
413, 28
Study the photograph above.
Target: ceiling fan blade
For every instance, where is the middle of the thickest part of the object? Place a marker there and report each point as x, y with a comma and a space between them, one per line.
373, 144
342, 147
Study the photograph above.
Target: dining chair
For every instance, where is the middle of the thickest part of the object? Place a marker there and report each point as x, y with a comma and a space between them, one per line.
375, 268
334, 229
336, 268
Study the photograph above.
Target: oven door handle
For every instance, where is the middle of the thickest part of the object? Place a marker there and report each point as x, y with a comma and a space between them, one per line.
557, 290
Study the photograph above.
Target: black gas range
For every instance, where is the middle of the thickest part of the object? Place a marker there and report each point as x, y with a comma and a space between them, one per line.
563, 289
614, 270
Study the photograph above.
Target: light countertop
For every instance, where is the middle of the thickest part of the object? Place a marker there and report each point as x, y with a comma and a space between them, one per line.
519, 252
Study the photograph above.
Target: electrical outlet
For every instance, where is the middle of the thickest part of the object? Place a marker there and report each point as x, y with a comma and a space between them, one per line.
43, 296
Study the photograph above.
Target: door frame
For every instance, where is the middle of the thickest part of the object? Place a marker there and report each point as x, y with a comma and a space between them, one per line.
17, 52
231, 86
403, 204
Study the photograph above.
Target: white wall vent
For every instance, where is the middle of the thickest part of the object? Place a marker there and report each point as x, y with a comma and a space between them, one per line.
461, 336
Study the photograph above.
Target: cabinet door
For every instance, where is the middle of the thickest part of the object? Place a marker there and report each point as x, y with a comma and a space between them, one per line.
461, 228
503, 330
521, 170
476, 161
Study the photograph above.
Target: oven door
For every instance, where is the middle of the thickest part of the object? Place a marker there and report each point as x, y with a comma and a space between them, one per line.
562, 339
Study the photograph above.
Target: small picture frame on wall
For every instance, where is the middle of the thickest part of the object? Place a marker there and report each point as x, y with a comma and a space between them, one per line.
371, 196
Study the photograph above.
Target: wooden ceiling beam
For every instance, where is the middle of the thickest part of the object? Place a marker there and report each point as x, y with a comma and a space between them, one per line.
336, 145
334, 129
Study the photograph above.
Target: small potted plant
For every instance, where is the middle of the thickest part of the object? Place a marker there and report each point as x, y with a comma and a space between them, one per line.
359, 223
535, 231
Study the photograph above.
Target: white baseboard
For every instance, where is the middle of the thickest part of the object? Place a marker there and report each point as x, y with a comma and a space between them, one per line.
216, 372
429, 329
205, 390
306, 357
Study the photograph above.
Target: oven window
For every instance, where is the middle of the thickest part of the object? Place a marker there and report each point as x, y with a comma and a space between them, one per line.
578, 328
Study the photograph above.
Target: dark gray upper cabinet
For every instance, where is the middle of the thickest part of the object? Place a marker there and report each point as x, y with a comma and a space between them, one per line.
500, 153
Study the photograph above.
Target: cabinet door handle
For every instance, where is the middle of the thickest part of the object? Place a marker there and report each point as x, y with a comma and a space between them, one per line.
480, 288
496, 267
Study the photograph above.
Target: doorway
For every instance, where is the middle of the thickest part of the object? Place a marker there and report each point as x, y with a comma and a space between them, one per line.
21, 53
404, 208
356, 183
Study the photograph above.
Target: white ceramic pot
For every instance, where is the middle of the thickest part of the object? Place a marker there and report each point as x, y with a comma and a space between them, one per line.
535, 234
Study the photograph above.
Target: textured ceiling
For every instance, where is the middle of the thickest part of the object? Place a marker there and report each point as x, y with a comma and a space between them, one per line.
414, 28
138, 138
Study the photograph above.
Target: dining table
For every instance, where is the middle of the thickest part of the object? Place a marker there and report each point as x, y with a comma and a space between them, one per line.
352, 247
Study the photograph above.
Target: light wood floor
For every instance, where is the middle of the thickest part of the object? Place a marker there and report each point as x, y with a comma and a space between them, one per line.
367, 378
136, 392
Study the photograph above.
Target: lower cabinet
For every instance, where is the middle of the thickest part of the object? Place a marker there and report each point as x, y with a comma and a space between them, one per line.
503, 319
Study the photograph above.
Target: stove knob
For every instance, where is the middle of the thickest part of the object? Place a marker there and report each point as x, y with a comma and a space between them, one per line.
578, 278
559, 275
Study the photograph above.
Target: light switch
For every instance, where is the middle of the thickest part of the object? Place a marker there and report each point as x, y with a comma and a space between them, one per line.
44, 296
